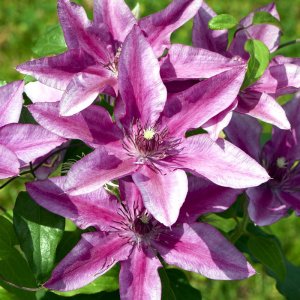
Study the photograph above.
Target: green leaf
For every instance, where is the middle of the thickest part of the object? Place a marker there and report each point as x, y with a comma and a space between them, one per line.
267, 250
52, 42
137, 11
2, 82
107, 282
39, 232
175, 286
263, 17
223, 21
258, 62
13, 267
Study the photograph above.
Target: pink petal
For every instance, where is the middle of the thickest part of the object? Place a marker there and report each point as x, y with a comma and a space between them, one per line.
163, 195
263, 107
221, 162
189, 62
38, 92
9, 163
98, 209
265, 207
96, 169
116, 15
205, 38
11, 102
139, 278
29, 142
158, 27
200, 248
140, 84
205, 197
198, 104
94, 255
57, 71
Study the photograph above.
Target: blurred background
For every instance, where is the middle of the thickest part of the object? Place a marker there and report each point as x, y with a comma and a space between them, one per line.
23, 22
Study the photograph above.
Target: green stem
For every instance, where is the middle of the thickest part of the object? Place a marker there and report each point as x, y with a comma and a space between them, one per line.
20, 287
289, 43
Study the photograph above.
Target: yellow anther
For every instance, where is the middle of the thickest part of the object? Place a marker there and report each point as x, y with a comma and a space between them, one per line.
149, 133
281, 162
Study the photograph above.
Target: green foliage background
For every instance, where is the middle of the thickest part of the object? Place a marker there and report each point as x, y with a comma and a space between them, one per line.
22, 22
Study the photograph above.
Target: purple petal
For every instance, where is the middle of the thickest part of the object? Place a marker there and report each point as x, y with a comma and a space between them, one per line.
189, 62
163, 195
265, 207
57, 71
244, 132
205, 197
84, 88
98, 209
221, 162
263, 107
93, 125
205, 38
94, 255
140, 84
38, 92
291, 198
158, 27
116, 15
139, 278
11, 102
29, 142
200, 248
9, 163
96, 169
198, 104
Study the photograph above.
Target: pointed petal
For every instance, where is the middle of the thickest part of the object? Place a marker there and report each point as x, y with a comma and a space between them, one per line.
9, 163
11, 102
244, 132
200, 248
205, 38
116, 15
263, 107
264, 206
198, 104
38, 92
83, 90
29, 142
57, 71
205, 197
96, 169
140, 84
188, 62
158, 27
98, 209
139, 278
94, 255
93, 125
221, 162
163, 195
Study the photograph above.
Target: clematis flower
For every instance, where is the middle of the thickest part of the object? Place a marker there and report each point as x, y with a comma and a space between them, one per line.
90, 65
151, 144
125, 232
280, 156
20, 144
257, 100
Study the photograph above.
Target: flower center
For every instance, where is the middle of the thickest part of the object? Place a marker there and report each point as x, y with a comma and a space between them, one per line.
281, 162
142, 225
149, 133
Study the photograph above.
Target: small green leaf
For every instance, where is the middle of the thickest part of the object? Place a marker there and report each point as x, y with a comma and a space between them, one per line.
107, 282
258, 62
52, 42
263, 17
267, 250
2, 82
222, 21
137, 11
39, 232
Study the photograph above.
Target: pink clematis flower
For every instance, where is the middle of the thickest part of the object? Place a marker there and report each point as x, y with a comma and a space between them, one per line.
125, 232
20, 144
280, 156
90, 65
257, 100
151, 144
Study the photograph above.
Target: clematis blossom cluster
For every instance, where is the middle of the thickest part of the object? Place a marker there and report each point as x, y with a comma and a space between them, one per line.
148, 145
